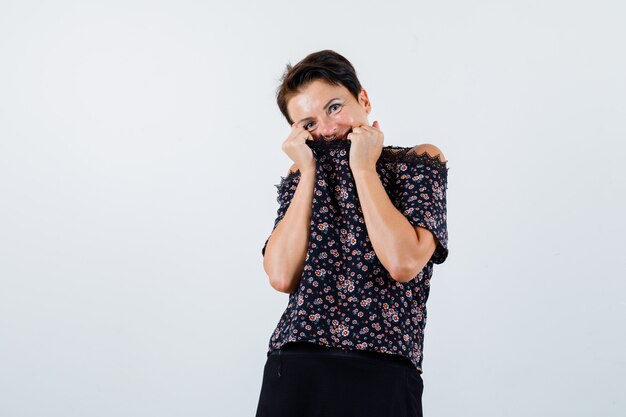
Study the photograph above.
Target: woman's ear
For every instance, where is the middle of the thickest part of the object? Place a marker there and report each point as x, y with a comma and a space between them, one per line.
365, 101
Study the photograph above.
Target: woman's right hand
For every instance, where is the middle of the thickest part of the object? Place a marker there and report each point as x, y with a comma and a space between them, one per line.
297, 150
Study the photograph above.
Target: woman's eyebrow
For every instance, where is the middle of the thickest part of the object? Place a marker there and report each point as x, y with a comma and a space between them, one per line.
325, 107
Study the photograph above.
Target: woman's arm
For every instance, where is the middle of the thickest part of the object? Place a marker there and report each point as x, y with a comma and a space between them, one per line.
393, 238
401, 248
288, 244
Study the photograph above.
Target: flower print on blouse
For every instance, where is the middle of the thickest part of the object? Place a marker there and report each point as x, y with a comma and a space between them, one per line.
346, 298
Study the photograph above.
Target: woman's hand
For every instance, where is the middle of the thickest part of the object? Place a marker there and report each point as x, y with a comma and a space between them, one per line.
366, 147
297, 150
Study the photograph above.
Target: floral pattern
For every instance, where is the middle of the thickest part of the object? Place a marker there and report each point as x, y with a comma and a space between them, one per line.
346, 298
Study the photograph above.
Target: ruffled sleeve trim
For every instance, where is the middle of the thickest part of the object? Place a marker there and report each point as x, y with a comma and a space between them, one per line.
408, 156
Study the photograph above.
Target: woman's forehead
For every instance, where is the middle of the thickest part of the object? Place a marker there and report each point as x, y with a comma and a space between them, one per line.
314, 97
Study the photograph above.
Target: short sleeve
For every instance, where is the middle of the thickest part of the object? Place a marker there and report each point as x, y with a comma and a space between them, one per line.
285, 189
422, 182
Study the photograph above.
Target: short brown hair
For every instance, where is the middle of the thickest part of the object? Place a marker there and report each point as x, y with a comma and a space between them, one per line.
327, 65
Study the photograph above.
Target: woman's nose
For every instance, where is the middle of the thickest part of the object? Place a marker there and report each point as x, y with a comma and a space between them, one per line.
328, 129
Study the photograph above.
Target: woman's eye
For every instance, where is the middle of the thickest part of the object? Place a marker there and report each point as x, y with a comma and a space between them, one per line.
336, 104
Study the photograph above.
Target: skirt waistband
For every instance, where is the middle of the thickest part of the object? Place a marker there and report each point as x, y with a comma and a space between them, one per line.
298, 348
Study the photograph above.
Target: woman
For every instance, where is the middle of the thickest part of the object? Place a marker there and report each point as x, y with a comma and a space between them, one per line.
358, 229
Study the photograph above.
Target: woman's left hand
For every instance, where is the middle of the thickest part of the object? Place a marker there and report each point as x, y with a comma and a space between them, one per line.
366, 147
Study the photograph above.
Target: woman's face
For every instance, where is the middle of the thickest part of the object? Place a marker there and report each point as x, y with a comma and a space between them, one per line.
327, 110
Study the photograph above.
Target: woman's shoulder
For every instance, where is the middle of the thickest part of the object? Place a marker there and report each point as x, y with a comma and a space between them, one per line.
426, 152
401, 153
429, 149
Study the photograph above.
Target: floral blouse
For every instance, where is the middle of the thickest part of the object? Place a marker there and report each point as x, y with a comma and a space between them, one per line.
346, 298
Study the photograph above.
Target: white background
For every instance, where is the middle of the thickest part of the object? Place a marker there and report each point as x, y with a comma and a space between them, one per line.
140, 145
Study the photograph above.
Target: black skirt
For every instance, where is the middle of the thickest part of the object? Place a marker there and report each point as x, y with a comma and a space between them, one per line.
307, 380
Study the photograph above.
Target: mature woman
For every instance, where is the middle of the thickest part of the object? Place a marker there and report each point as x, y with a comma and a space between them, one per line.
358, 229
